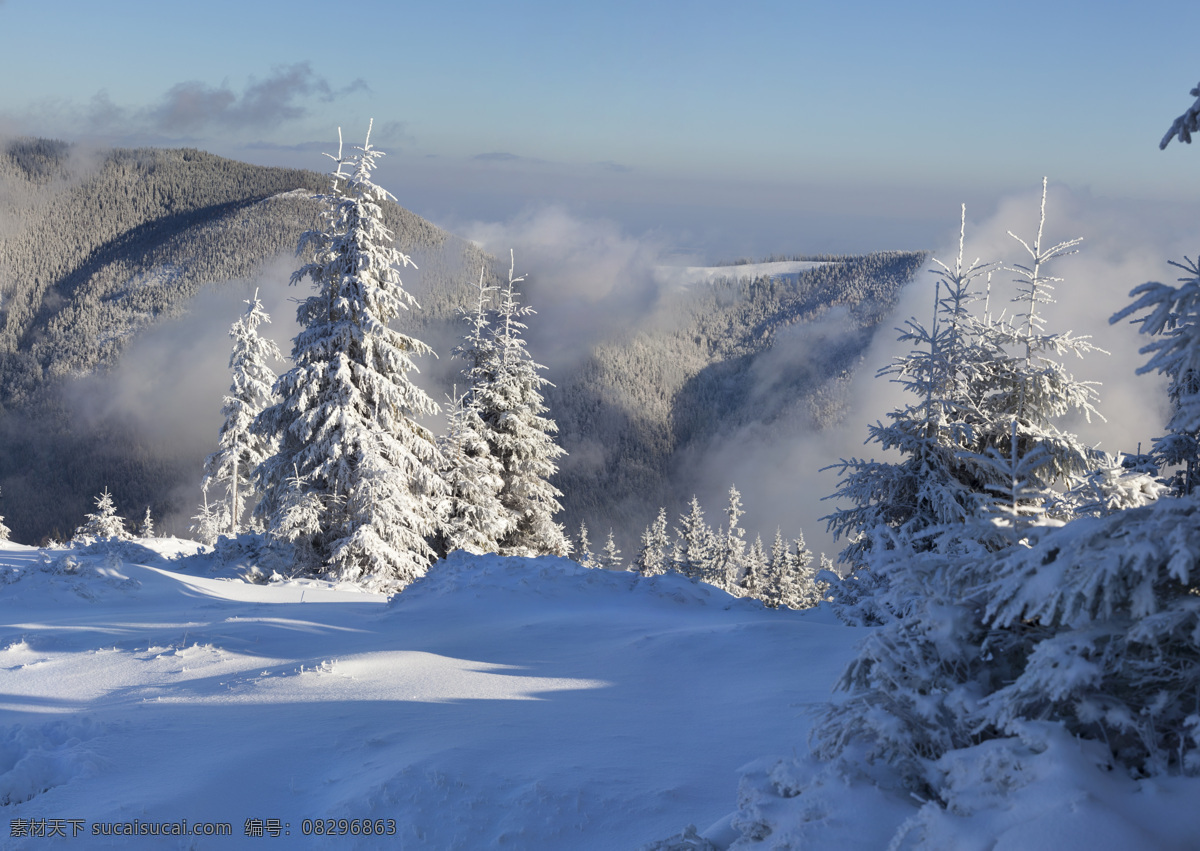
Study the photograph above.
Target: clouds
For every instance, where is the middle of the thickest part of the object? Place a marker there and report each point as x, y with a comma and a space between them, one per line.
587, 278
194, 106
195, 109
777, 467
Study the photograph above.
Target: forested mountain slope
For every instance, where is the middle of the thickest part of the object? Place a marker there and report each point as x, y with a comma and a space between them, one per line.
97, 248
729, 360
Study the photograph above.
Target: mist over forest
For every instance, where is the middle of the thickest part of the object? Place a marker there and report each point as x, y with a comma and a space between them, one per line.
123, 270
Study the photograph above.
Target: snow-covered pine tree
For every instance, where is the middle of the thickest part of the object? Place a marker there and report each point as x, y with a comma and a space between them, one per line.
146, 529
755, 576
1172, 318
1115, 599
240, 449
1115, 604
935, 482
789, 578
473, 518
730, 558
346, 419
799, 587
583, 548
207, 525
654, 557
695, 547
507, 387
1029, 389
478, 348
777, 566
104, 522
610, 557
914, 688
297, 518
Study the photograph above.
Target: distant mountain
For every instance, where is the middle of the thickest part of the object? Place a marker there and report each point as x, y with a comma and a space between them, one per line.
95, 250
717, 362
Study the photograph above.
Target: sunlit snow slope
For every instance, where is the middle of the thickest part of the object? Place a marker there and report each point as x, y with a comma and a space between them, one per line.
517, 703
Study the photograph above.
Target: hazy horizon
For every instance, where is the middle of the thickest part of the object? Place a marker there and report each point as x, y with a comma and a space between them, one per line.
773, 130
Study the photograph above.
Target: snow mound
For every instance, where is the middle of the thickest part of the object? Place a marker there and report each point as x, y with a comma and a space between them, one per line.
496, 702
466, 576
93, 572
36, 759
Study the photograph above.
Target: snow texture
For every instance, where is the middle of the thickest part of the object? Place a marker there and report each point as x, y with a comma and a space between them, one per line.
497, 702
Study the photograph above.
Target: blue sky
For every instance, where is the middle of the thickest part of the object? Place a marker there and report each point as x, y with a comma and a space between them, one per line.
727, 129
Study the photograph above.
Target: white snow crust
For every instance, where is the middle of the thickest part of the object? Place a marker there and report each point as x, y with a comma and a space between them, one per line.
498, 702
495, 703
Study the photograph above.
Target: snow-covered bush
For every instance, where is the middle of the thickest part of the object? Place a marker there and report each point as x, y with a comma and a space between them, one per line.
1172, 318
1120, 597
104, 522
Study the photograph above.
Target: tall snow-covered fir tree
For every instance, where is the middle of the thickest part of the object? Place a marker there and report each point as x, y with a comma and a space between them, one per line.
1115, 598
146, 527
240, 449
984, 465
750, 584
1030, 390
987, 394
583, 548
730, 557
933, 482
475, 518
507, 388
351, 453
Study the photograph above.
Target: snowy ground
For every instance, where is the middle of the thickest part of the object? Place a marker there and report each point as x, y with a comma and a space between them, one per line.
517, 703
684, 276
497, 703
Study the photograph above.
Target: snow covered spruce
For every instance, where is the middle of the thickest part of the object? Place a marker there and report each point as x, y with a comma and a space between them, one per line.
985, 474
331, 459
785, 577
240, 448
354, 486
505, 409
1030, 592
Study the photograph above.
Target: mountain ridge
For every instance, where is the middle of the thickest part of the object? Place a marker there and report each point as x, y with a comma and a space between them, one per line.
96, 251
